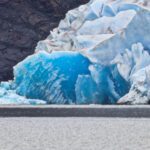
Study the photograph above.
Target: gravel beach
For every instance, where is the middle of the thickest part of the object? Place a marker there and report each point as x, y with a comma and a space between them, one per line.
74, 134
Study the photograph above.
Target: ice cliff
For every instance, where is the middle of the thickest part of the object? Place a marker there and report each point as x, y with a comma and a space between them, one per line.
99, 54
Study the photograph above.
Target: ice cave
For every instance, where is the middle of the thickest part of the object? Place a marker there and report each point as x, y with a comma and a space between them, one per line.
99, 54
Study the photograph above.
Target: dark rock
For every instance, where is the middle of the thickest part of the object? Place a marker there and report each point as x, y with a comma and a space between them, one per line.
23, 23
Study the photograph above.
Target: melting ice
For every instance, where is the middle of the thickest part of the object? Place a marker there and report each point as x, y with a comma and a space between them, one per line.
99, 54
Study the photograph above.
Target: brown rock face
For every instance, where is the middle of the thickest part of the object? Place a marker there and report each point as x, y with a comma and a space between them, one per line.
23, 23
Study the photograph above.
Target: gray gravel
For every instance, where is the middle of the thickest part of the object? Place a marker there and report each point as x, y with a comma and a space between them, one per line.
74, 134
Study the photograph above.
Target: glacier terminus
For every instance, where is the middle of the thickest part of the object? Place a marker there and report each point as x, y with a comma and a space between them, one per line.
99, 54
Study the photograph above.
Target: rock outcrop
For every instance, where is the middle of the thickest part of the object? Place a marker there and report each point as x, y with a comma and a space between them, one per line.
23, 23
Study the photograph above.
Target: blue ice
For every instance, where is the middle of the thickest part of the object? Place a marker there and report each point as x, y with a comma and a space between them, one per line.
50, 77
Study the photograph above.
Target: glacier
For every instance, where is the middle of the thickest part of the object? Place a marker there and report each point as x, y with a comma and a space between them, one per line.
99, 54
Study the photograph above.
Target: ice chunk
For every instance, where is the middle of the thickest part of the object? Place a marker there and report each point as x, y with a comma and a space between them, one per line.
50, 77
96, 7
87, 90
104, 86
96, 17
140, 89
119, 42
134, 67
132, 60
84, 42
107, 25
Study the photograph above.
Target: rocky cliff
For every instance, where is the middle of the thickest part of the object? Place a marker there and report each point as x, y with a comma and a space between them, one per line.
23, 23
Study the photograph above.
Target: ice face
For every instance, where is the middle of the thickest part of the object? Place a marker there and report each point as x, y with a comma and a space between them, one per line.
70, 78
99, 54
67, 78
50, 77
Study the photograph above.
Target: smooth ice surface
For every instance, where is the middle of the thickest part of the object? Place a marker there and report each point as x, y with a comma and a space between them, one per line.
99, 54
